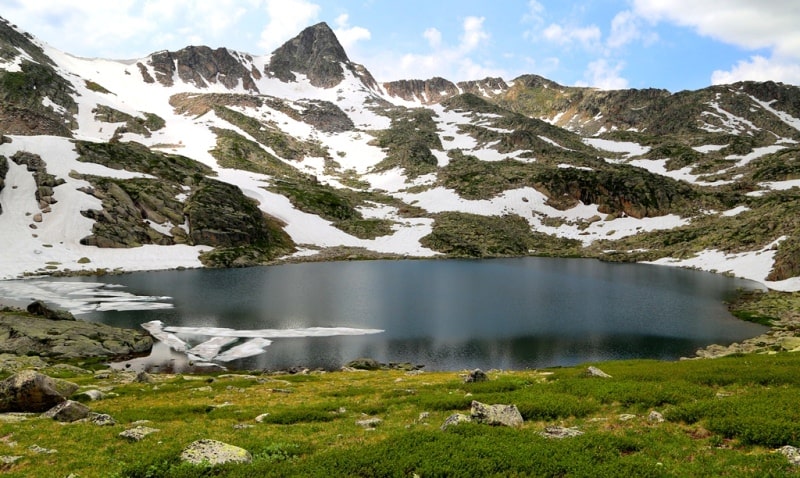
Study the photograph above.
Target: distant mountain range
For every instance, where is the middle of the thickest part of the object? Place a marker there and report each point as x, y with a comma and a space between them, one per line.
204, 157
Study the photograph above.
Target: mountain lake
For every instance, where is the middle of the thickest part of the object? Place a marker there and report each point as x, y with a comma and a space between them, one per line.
443, 314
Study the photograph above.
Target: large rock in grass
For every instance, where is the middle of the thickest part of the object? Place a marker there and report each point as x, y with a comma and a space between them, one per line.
31, 391
212, 452
496, 415
68, 411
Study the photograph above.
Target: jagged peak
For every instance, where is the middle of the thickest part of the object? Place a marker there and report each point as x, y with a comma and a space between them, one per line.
314, 52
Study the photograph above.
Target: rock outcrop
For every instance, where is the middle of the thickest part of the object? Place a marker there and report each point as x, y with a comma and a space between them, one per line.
24, 334
202, 66
493, 415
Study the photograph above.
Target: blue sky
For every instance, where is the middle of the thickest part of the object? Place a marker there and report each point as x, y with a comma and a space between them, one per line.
672, 44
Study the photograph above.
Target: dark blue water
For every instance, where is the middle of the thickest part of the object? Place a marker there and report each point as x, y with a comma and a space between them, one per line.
450, 314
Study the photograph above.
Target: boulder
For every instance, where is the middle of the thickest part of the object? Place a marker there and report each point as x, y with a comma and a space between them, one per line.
40, 308
137, 433
455, 419
68, 411
31, 391
364, 364
655, 417
476, 375
791, 453
560, 432
212, 452
496, 415
369, 423
89, 396
101, 419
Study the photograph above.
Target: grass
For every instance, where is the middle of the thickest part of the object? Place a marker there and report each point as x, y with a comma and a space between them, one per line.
724, 417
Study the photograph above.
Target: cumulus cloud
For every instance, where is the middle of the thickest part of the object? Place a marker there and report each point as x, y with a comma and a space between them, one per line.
758, 68
433, 36
766, 24
588, 37
602, 74
348, 35
286, 19
450, 61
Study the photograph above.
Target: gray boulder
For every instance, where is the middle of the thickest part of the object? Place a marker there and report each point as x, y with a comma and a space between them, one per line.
560, 432
476, 375
364, 364
791, 453
31, 391
212, 452
137, 433
496, 415
68, 411
455, 419
40, 308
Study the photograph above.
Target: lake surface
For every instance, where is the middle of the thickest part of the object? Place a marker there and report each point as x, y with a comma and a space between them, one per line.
450, 314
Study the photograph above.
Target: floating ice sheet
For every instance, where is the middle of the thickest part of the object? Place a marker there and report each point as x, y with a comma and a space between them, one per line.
213, 348
80, 297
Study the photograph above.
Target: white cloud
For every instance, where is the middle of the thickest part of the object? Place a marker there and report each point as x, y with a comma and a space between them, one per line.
347, 35
473, 35
452, 62
746, 23
588, 37
433, 36
765, 24
759, 68
624, 29
601, 74
286, 19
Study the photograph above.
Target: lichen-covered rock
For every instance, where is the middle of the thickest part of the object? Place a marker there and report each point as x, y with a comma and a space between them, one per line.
455, 419
214, 452
476, 375
137, 433
596, 372
31, 391
364, 364
560, 432
23, 334
496, 415
40, 308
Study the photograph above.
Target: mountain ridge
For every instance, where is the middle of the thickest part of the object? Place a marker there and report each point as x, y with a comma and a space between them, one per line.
324, 158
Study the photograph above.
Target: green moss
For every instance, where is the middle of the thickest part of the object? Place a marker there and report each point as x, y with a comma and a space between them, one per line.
469, 235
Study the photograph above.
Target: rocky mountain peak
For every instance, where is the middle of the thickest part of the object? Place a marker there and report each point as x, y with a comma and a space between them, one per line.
315, 52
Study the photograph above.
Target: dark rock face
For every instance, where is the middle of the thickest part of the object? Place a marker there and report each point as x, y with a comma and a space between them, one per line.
485, 87
220, 215
45, 182
30, 391
201, 66
315, 52
3, 172
428, 92
22, 110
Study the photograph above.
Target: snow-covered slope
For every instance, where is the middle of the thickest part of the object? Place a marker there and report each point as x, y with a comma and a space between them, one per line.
418, 168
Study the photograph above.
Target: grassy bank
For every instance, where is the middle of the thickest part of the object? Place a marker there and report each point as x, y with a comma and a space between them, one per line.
723, 417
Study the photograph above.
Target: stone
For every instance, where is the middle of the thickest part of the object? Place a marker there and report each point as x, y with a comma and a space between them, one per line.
262, 417
596, 372
89, 396
626, 417
143, 377
364, 364
560, 432
68, 411
791, 453
137, 433
31, 391
40, 308
369, 423
212, 452
476, 375
655, 417
100, 419
455, 419
8, 459
41, 450
496, 415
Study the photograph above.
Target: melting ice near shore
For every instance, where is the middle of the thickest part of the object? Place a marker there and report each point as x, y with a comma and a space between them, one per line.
246, 343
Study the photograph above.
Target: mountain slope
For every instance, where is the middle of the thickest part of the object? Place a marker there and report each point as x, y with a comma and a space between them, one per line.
222, 158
